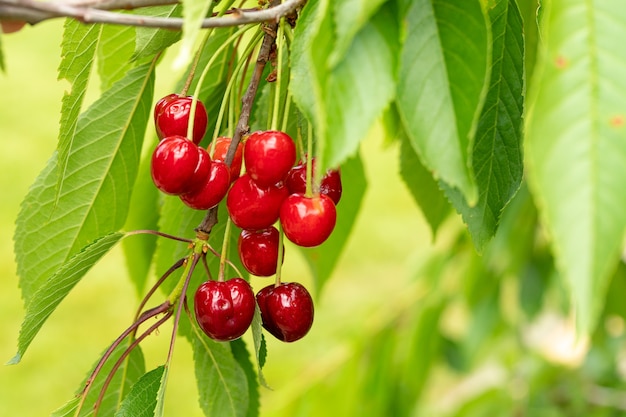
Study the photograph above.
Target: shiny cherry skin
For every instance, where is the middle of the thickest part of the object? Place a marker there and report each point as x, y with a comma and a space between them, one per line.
214, 189
253, 207
330, 184
286, 310
268, 156
224, 309
171, 117
258, 251
308, 221
222, 143
178, 165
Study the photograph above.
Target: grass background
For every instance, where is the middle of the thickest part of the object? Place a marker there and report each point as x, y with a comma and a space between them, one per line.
389, 238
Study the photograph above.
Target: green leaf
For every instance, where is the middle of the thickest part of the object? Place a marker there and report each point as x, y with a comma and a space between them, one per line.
150, 41
141, 400
242, 356
350, 17
116, 46
222, 384
422, 186
194, 11
322, 259
259, 344
96, 184
143, 214
131, 370
2, 66
441, 86
49, 295
78, 51
497, 150
576, 151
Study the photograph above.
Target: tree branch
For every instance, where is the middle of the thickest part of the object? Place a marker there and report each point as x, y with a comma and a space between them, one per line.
99, 11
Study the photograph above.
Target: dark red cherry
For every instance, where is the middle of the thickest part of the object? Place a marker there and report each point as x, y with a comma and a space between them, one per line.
330, 184
172, 117
268, 156
286, 310
224, 309
253, 207
214, 189
176, 164
258, 251
222, 143
308, 221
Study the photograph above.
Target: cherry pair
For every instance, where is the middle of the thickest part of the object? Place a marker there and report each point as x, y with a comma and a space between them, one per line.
224, 309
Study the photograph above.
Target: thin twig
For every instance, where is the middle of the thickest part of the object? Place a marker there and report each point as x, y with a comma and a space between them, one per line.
34, 12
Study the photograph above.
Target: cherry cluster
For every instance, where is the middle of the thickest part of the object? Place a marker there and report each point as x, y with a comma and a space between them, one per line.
272, 189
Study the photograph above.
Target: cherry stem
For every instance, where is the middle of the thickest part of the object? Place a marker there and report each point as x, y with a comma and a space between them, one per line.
279, 76
225, 241
154, 232
145, 316
123, 357
279, 261
160, 281
210, 219
309, 162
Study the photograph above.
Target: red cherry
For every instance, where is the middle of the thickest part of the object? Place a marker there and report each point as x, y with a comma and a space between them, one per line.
258, 251
224, 309
253, 207
178, 165
308, 221
286, 310
330, 184
171, 117
268, 156
222, 143
214, 189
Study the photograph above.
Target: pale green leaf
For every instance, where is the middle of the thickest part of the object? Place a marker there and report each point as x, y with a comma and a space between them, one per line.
115, 49
96, 184
151, 41
242, 356
259, 344
497, 149
441, 85
194, 11
48, 296
141, 400
576, 153
78, 51
323, 259
222, 384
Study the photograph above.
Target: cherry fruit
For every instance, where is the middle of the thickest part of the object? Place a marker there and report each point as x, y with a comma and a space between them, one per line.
308, 221
214, 189
330, 183
268, 156
286, 310
253, 207
258, 251
222, 143
224, 309
178, 166
171, 117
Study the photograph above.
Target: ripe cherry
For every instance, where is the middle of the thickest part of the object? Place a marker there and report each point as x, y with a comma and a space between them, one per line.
308, 221
330, 184
268, 156
224, 309
286, 310
214, 189
222, 143
253, 207
171, 117
179, 166
258, 251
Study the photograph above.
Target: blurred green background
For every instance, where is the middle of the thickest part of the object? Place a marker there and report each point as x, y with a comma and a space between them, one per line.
368, 287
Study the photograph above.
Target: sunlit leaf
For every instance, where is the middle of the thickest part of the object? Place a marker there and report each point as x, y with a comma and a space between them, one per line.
48, 296
151, 41
194, 11
576, 151
141, 400
116, 46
